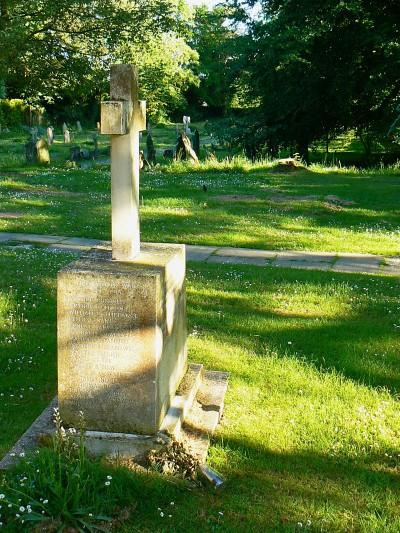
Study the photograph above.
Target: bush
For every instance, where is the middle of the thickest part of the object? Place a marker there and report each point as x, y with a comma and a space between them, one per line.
13, 112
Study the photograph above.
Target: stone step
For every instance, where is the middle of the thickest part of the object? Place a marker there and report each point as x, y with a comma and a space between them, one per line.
192, 418
183, 401
205, 414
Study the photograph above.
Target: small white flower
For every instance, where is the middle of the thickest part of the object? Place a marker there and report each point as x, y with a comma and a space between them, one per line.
22, 509
45, 501
109, 477
22, 454
107, 483
162, 514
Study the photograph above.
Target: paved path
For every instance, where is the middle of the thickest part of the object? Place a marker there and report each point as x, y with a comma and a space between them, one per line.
334, 262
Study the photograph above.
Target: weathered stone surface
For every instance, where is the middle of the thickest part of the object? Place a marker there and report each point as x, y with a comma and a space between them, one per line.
127, 114
43, 155
237, 260
122, 338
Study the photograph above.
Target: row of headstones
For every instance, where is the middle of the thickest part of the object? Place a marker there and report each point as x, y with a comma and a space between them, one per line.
37, 150
184, 150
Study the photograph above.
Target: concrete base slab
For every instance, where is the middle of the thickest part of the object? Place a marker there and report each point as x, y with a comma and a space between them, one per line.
246, 252
306, 265
192, 418
205, 414
237, 260
199, 253
317, 257
43, 425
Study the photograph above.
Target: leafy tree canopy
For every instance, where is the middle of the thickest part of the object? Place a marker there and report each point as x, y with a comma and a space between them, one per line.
64, 47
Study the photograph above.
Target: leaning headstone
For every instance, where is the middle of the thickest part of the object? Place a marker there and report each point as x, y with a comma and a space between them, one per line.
42, 151
95, 152
67, 137
184, 150
151, 151
78, 126
74, 153
30, 151
196, 142
64, 127
50, 135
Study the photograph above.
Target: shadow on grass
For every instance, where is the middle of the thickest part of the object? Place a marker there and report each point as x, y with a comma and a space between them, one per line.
359, 342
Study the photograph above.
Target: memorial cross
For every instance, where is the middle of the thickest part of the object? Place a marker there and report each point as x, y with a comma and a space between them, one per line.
123, 118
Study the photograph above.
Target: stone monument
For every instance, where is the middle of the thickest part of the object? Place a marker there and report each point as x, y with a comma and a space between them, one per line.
42, 150
50, 135
122, 312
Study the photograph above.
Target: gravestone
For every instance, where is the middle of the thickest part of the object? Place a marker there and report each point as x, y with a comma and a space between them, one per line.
42, 152
184, 150
121, 311
151, 151
50, 135
196, 142
121, 325
67, 137
64, 127
186, 122
30, 151
78, 126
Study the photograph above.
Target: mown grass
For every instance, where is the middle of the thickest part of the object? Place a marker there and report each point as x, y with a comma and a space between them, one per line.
244, 204
311, 432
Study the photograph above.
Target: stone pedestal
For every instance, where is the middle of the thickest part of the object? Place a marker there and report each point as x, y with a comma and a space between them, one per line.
121, 338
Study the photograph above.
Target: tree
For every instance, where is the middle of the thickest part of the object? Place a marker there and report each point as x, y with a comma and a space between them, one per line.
166, 64
217, 45
322, 66
65, 47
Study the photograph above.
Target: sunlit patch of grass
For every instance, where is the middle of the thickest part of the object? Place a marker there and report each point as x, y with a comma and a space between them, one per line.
311, 430
226, 202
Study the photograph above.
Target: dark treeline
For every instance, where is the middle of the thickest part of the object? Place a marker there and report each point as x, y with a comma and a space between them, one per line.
283, 73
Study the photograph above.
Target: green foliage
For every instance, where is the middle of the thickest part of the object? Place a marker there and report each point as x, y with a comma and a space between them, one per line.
218, 47
65, 47
322, 67
166, 71
13, 112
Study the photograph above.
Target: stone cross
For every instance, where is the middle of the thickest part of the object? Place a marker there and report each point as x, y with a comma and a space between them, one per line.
123, 118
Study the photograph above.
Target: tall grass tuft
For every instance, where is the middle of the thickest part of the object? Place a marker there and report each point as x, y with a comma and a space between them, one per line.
59, 487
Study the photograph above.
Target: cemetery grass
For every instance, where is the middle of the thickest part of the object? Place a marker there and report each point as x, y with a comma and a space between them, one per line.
310, 435
221, 203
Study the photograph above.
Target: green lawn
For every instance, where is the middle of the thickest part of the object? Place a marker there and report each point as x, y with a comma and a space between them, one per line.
311, 431
245, 205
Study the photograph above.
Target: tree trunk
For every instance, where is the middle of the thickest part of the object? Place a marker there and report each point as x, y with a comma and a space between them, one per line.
303, 151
